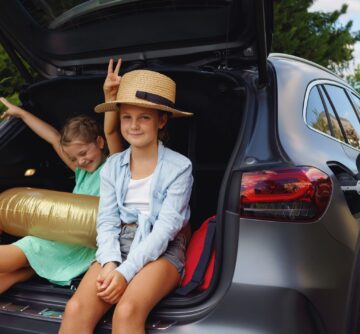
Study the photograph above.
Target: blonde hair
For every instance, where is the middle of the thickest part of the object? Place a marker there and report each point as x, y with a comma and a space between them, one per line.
82, 128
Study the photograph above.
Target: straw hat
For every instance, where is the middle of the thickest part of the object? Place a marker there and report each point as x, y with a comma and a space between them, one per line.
147, 89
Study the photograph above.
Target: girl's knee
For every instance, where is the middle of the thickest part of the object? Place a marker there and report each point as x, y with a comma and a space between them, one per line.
73, 308
127, 312
76, 319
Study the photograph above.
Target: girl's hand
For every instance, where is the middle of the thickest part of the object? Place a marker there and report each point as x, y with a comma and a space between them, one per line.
108, 268
112, 81
12, 110
113, 287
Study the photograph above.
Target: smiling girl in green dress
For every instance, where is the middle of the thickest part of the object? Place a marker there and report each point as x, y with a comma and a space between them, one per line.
81, 146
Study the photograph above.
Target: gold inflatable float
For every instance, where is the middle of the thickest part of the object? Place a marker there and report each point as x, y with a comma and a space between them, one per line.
49, 214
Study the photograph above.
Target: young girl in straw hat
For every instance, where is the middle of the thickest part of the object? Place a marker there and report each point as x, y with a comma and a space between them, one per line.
81, 146
144, 198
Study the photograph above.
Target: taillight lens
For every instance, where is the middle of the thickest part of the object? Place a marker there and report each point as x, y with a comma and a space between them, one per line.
285, 194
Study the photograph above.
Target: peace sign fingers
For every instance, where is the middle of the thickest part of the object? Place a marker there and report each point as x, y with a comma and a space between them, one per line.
112, 80
110, 66
117, 67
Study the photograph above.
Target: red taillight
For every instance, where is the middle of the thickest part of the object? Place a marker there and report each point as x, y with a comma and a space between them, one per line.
285, 194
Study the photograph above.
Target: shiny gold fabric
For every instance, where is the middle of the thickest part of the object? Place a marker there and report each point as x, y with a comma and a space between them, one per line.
49, 214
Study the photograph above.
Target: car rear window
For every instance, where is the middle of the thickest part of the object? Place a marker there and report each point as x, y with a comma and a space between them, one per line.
46, 11
53, 14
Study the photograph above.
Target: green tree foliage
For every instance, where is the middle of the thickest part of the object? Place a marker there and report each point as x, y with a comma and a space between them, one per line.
10, 79
354, 79
316, 36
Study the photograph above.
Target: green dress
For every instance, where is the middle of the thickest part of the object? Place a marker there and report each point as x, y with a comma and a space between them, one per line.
59, 262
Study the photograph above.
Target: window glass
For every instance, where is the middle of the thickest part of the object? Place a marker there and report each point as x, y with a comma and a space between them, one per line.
337, 133
52, 13
315, 112
44, 12
346, 113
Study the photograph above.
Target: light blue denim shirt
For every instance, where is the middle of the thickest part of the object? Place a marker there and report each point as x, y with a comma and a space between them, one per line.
169, 209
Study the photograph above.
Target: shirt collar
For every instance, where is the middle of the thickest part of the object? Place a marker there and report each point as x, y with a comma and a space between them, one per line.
126, 159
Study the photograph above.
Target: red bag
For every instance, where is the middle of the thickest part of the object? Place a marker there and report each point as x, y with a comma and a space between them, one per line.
200, 259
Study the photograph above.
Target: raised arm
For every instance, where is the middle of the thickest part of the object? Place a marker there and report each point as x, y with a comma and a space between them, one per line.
111, 118
41, 128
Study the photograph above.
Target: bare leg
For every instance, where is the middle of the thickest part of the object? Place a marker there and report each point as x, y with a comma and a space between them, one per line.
148, 287
14, 267
7, 280
85, 308
12, 258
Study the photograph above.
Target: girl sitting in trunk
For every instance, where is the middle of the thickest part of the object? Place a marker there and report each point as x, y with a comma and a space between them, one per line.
81, 146
144, 198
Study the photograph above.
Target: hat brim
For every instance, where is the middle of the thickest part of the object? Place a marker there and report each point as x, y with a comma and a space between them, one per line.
115, 106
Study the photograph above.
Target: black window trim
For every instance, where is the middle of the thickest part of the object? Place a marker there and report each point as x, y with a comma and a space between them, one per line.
351, 98
325, 108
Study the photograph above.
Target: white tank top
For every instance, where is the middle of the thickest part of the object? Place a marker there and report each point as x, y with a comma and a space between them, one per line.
138, 195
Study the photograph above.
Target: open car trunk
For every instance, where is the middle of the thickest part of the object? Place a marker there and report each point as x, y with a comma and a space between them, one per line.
217, 100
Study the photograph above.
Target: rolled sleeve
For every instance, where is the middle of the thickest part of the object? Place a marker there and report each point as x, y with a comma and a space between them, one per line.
108, 224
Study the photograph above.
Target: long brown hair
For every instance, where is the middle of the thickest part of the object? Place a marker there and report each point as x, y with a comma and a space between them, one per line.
163, 134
